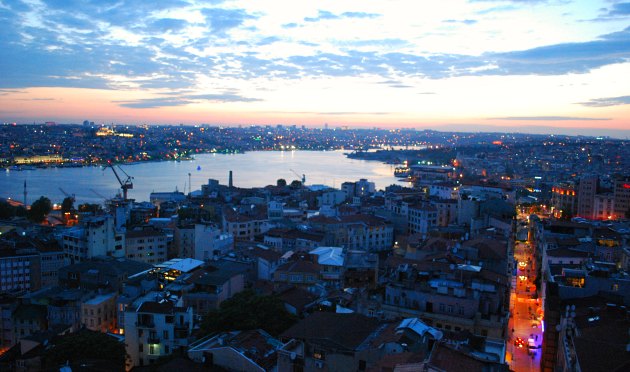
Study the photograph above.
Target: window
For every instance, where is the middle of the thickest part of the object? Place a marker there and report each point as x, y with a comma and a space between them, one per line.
442, 307
140, 347
166, 334
153, 349
319, 354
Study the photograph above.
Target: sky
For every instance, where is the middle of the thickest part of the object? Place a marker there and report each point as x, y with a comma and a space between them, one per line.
478, 65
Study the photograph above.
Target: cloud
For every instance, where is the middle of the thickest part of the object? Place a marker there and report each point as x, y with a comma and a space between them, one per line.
185, 99
326, 15
353, 113
605, 102
113, 44
167, 24
359, 15
35, 99
153, 103
618, 9
222, 20
321, 15
463, 21
547, 118
226, 97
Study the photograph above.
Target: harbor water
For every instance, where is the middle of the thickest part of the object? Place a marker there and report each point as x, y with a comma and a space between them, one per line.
251, 169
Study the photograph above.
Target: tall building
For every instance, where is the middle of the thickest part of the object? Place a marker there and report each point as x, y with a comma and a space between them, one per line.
564, 200
622, 197
587, 189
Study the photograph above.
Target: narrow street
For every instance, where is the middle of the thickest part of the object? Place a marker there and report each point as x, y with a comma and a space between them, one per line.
524, 328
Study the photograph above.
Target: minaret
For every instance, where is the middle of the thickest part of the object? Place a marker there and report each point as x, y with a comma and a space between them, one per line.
230, 180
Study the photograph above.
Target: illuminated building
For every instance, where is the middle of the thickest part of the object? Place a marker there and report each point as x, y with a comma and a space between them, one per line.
156, 329
563, 200
622, 197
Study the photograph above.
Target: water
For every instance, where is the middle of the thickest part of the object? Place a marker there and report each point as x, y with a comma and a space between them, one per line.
252, 169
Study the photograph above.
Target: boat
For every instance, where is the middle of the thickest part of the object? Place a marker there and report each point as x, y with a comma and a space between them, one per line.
402, 172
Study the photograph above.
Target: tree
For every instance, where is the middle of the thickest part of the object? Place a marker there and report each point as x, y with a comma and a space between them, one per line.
91, 208
39, 209
281, 182
86, 347
247, 310
295, 184
7, 210
67, 205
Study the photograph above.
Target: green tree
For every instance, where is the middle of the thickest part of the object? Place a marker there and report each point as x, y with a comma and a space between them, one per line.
281, 182
39, 209
295, 184
247, 310
86, 347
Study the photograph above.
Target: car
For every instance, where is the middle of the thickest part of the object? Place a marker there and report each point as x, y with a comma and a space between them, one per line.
519, 342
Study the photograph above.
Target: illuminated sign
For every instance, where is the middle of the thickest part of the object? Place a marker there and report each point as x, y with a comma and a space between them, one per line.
626, 185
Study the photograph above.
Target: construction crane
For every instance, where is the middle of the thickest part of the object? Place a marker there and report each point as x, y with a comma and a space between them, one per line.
124, 185
68, 195
303, 176
98, 194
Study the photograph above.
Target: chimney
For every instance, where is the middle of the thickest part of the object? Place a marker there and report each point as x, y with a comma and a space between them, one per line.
230, 180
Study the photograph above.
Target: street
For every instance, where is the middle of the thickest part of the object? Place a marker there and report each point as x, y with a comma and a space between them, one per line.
524, 327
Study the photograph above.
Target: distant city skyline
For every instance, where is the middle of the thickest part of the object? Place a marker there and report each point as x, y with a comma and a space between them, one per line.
481, 65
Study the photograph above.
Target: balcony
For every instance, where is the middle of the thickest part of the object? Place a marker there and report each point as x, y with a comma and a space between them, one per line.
153, 340
145, 325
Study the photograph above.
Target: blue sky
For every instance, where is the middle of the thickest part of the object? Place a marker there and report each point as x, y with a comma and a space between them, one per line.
377, 63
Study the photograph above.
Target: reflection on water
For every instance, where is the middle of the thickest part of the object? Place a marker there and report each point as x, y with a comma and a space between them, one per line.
251, 169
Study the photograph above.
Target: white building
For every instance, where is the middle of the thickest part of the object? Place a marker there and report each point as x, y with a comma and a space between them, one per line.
95, 236
202, 241
156, 329
422, 218
330, 260
332, 198
210, 242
